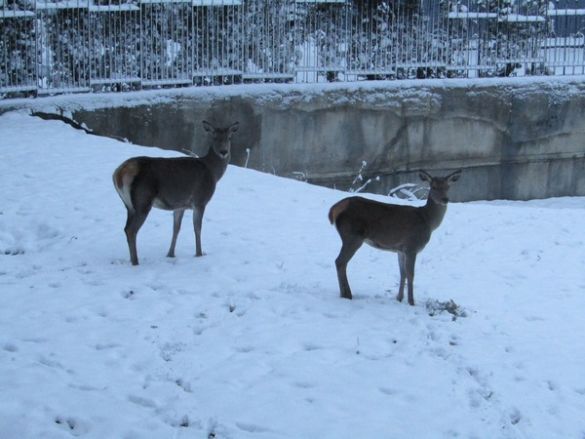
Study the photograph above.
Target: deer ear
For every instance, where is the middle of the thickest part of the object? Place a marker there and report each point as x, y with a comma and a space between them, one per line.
234, 127
208, 127
424, 175
455, 176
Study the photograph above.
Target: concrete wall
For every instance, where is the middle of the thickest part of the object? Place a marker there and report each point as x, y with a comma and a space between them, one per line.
515, 139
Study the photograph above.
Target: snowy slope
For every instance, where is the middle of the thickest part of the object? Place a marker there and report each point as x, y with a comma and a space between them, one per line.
252, 341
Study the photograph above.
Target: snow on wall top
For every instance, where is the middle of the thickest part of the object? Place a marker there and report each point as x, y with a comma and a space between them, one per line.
373, 94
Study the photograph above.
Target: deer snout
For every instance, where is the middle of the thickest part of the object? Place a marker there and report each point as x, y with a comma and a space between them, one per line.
445, 200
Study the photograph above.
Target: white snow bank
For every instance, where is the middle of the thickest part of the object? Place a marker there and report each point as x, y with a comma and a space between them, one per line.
251, 340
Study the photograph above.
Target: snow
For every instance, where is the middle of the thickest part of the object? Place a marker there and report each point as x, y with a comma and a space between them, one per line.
252, 340
377, 93
469, 15
63, 4
16, 13
217, 2
565, 12
121, 7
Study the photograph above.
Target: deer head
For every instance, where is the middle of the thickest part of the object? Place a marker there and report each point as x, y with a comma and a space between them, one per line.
439, 186
221, 137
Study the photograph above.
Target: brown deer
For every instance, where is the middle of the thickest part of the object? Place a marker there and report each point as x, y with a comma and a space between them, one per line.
173, 184
405, 230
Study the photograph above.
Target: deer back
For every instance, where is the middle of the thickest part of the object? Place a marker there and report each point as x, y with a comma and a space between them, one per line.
382, 225
166, 183
177, 182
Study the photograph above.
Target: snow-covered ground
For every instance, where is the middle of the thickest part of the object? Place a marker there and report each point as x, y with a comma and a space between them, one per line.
252, 340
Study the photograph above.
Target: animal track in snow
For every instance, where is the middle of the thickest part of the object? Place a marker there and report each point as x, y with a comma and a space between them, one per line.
515, 416
304, 385
143, 402
387, 391
185, 385
9, 347
72, 425
311, 347
169, 350
105, 346
130, 294
244, 349
251, 428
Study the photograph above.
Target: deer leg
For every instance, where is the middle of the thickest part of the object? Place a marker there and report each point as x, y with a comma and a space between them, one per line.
401, 265
135, 220
348, 249
177, 218
409, 266
197, 222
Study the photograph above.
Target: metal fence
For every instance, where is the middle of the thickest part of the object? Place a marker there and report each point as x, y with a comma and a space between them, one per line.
58, 46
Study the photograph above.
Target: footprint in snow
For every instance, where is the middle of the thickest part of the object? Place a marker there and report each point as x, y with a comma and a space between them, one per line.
9, 347
130, 294
183, 384
50, 363
252, 428
14, 251
74, 426
580, 391
106, 346
304, 385
311, 347
515, 416
182, 422
142, 402
551, 385
169, 350
387, 391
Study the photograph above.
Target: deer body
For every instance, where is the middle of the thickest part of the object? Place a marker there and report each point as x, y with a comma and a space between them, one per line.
405, 230
175, 184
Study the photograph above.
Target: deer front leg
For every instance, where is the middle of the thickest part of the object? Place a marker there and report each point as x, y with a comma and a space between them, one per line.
348, 249
409, 266
198, 212
401, 265
177, 218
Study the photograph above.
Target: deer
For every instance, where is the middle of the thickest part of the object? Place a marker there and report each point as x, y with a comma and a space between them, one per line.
404, 230
175, 184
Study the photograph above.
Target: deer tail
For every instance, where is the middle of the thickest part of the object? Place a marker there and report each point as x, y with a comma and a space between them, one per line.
123, 177
336, 209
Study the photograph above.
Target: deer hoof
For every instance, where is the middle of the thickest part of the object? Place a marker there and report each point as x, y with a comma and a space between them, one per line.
347, 296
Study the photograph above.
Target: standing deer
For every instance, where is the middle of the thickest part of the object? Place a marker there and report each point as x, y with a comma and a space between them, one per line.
405, 230
173, 184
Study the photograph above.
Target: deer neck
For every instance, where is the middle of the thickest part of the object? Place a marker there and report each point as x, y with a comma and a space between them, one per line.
215, 163
433, 213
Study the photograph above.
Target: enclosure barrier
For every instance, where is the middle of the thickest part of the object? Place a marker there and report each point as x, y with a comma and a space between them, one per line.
66, 46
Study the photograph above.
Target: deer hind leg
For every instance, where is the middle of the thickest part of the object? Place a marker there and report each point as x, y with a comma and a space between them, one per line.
350, 245
177, 218
134, 221
198, 212
402, 266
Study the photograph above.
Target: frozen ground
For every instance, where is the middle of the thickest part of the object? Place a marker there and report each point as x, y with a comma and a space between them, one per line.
252, 341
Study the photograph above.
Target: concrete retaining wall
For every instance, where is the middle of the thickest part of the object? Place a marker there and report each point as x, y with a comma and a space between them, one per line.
515, 139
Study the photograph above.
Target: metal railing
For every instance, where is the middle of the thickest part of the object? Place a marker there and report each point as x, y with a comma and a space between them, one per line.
59, 46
